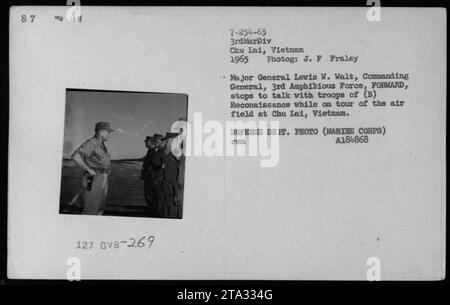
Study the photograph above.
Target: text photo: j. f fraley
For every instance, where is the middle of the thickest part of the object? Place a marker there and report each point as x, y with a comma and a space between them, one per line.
117, 156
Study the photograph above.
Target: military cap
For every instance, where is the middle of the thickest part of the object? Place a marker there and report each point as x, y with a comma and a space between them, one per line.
157, 136
170, 135
147, 138
103, 125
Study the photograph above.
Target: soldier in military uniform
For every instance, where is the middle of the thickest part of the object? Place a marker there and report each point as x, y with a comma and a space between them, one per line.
171, 204
146, 176
94, 158
157, 173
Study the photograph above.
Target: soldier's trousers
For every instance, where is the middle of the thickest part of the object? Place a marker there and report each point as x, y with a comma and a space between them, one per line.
150, 198
170, 210
95, 199
157, 198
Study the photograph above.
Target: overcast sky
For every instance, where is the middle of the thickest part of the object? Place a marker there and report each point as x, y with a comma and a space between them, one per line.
133, 116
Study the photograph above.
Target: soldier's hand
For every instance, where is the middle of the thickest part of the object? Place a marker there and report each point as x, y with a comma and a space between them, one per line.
91, 172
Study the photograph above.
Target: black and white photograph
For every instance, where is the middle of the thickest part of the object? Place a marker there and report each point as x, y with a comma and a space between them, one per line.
117, 158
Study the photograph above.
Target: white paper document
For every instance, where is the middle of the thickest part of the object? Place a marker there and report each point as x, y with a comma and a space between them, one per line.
236, 143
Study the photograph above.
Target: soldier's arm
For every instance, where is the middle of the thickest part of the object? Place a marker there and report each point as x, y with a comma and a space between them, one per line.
76, 157
144, 166
143, 171
84, 150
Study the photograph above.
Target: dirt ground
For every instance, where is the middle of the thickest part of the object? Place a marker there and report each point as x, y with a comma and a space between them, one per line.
125, 191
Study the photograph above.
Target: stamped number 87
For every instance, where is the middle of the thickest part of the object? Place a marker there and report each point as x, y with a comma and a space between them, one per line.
24, 18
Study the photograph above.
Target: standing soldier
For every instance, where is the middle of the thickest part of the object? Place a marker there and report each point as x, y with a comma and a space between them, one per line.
93, 157
157, 172
171, 205
146, 175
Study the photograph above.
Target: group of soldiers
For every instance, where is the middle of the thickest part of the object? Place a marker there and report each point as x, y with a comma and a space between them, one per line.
163, 175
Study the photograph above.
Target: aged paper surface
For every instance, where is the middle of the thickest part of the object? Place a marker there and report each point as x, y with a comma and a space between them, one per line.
353, 178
